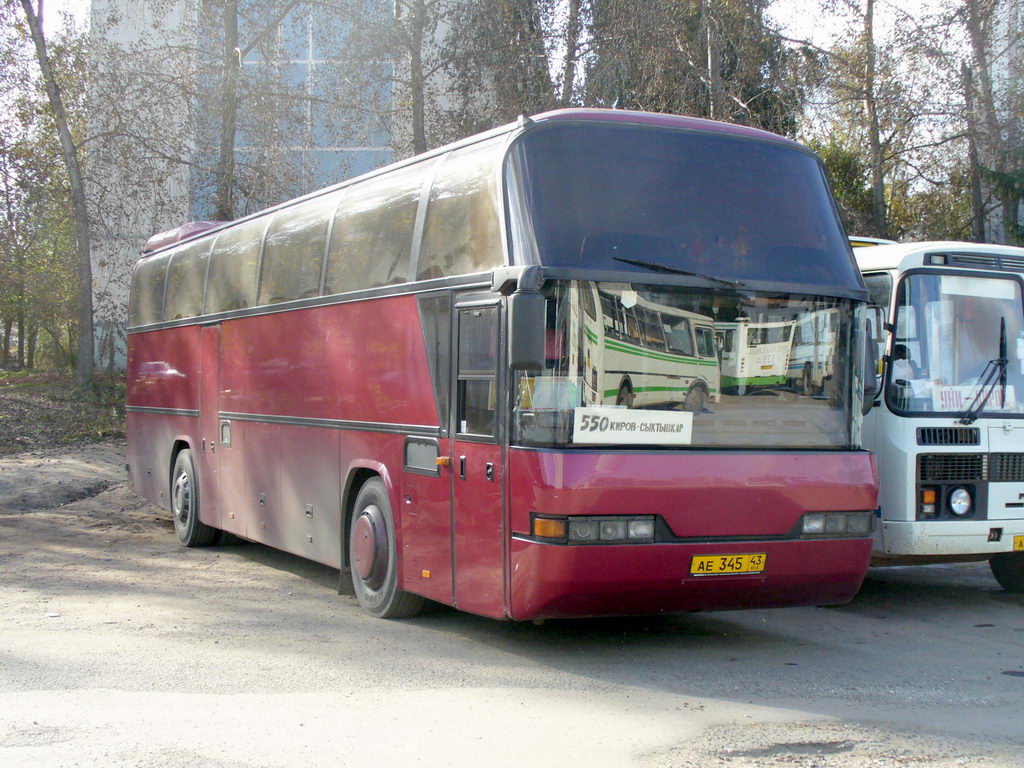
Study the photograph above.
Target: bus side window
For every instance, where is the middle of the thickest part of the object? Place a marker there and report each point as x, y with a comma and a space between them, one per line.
185, 277
462, 230
705, 343
679, 339
233, 267
293, 253
147, 296
372, 237
478, 356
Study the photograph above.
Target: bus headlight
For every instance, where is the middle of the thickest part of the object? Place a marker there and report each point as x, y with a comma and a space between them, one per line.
822, 524
959, 502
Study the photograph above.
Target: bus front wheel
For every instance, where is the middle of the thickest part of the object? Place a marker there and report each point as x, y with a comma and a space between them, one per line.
373, 556
696, 399
192, 532
1008, 568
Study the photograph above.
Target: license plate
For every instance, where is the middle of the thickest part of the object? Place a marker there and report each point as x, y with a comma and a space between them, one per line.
718, 565
1018, 543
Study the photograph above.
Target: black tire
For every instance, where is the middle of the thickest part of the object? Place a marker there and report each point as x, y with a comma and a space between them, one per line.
625, 396
374, 559
1008, 568
806, 382
192, 532
696, 399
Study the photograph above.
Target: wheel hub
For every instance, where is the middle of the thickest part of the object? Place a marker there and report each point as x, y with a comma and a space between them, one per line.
370, 547
182, 498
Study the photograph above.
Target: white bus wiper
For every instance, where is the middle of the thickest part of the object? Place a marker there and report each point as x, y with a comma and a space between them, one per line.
994, 373
656, 267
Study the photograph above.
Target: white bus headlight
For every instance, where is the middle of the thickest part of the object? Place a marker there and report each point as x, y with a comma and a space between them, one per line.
959, 502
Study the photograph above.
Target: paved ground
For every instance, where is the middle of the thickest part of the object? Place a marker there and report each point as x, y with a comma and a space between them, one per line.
120, 648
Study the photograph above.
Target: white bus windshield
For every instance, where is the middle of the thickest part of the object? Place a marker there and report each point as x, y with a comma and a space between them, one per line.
950, 331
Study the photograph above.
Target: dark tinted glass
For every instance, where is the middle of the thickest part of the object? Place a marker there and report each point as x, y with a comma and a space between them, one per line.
731, 207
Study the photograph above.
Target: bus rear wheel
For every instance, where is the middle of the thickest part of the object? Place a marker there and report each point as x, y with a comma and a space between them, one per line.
192, 532
1008, 568
625, 396
373, 557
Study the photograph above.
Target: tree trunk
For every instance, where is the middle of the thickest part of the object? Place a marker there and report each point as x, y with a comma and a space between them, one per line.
416, 79
83, 236
7, 343
977, 201
716, 100
879, 215
572, 41
224, 196
33, 337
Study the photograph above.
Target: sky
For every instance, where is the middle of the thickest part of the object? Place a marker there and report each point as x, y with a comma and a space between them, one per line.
53, 10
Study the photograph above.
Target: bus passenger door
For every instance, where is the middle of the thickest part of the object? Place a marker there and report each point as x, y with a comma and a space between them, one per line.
478, 530
205, 454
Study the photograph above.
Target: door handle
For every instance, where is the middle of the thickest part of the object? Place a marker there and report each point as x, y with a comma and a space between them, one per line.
462, 467
489, 471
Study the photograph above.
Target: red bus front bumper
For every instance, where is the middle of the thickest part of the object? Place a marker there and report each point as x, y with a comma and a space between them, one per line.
552, 581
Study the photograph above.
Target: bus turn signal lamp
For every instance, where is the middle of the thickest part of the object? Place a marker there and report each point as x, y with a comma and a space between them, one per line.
830, 524
927, 508
546, 528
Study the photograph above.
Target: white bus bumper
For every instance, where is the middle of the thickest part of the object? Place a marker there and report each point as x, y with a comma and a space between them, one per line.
947, 538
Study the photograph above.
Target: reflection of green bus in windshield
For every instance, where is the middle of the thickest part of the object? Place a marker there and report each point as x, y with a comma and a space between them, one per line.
754, 354
639, 352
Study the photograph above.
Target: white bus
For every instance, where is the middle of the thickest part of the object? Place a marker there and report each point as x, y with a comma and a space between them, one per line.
754, 354
812, 354
948, 421
640, 352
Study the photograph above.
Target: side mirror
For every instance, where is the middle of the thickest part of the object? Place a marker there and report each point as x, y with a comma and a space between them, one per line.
873, 325
526, 325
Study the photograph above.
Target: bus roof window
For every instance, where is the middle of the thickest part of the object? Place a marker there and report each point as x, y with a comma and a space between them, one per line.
372, 236
233, 267
293, 254
462, 232
186, 276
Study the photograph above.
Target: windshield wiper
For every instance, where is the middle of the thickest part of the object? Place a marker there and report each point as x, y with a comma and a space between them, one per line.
994, 373
656, 267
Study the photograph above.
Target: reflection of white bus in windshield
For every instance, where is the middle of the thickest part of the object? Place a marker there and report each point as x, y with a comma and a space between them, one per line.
948, 423
639, 352
812, 354
754, 354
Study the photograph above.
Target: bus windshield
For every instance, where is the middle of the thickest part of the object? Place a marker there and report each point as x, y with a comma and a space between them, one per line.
948, 329
639, 198
673, 367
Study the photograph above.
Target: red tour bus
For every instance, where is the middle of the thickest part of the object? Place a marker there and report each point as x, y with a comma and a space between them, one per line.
489, 376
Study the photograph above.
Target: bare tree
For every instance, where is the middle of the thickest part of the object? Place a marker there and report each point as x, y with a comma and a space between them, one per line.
83, 236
